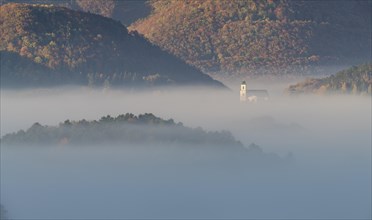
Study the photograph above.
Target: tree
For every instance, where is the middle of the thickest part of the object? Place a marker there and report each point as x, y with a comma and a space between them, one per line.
355, 89
343, 87
106, 84
101, 7
90, 77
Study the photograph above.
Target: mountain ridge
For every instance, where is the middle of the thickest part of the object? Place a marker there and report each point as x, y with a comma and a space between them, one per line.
260, 37
87, 49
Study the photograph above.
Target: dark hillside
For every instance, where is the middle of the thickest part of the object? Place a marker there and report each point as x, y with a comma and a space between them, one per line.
123, 129
125, 11
89, 48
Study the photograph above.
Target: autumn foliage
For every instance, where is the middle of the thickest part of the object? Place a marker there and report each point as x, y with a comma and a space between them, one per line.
244, 36
83, 48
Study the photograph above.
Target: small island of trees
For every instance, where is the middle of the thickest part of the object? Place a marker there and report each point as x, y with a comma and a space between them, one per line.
125, 128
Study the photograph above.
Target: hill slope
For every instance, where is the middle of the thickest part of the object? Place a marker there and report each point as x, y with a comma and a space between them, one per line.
355, 80
147, 135
126, 11
123, 129
256, 37
86, 48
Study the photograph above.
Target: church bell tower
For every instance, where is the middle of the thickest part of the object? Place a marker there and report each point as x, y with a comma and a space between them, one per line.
243, 92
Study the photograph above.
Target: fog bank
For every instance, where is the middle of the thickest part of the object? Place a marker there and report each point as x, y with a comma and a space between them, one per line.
329, 136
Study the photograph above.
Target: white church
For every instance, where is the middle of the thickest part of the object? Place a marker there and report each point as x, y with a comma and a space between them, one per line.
252, 95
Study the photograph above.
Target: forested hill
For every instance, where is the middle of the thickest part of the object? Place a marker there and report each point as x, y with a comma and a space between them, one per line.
148, 131
257, 37
125, 11
356, 80
123, 129
49, 45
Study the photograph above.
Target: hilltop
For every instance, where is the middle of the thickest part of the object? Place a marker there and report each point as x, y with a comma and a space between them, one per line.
123, 129
355, 80
260, 37
53, 45
147, 132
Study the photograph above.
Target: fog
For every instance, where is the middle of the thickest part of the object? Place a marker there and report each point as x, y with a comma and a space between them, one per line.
328, 136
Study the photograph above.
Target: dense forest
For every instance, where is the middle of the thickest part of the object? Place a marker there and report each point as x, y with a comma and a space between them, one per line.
146, 132
257, 37
123, 129
45, 44
356, 80
247, 37
125, 11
